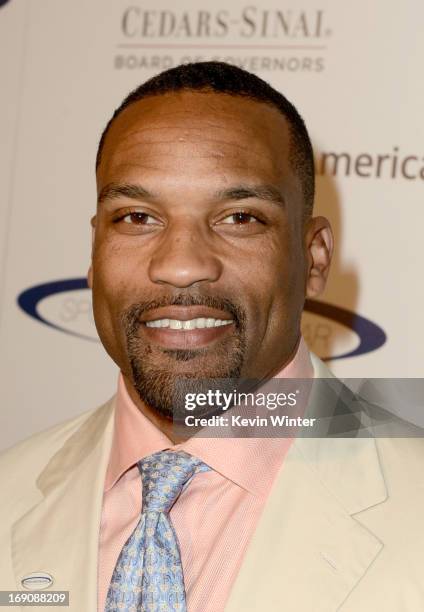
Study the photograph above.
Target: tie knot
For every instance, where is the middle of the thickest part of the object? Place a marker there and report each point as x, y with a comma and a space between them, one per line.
164, 475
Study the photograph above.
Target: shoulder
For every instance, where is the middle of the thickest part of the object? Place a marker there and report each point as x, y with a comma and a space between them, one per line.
353, 415
399, 443
26, 459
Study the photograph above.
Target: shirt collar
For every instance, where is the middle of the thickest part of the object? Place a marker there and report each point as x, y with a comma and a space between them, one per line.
251, 463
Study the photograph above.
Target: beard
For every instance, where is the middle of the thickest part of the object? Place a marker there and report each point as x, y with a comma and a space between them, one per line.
162, 377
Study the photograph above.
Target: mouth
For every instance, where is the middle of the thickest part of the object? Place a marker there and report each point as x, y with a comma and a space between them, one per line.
182, 327
198, 323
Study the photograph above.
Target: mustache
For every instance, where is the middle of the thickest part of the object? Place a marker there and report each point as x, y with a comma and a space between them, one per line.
132, 315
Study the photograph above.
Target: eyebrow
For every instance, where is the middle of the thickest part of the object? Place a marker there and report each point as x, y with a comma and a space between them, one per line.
267, 192
116, 190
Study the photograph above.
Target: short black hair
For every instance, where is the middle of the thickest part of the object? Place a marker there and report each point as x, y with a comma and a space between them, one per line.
220, 77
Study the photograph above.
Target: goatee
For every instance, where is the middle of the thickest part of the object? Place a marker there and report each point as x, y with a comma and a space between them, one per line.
162, 377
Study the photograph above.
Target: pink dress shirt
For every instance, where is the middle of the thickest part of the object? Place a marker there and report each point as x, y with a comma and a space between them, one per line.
214, 517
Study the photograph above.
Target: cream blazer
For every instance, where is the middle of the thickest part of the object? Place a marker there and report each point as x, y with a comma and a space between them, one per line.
343, 528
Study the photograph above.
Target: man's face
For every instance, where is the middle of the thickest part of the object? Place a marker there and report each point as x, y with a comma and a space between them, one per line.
199, 257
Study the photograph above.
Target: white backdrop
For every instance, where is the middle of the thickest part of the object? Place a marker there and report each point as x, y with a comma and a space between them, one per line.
354, 70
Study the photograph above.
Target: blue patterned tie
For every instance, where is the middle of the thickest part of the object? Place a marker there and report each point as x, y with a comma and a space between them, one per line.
148, 576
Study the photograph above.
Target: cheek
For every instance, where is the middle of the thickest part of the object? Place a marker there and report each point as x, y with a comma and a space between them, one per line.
108, 304
110, 294
265, 279
280, 283
115, 275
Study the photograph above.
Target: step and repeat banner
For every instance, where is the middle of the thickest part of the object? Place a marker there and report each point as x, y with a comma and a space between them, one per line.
354, 71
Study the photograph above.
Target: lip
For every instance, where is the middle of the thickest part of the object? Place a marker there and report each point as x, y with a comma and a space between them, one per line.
186, 339
185, 313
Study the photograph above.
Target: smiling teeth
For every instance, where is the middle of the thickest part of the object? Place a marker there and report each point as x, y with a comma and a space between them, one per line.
199, 323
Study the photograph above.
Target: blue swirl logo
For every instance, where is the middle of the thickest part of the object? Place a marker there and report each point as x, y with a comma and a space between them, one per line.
75, 304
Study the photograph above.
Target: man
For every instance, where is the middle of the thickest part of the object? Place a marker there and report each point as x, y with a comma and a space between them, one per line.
204, 248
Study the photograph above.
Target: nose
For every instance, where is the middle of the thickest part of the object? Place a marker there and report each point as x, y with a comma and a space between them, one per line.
184, 257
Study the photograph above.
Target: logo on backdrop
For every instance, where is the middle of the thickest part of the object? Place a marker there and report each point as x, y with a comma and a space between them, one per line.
252, 37
330, 331
394, 164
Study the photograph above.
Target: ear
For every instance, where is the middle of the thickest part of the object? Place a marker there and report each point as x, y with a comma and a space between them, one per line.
319, 243
90, 269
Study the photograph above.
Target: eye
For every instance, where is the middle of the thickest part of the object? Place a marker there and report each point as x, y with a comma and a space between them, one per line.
138, 218
240, 218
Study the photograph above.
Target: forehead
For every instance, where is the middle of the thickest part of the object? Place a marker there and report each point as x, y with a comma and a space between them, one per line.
205, 133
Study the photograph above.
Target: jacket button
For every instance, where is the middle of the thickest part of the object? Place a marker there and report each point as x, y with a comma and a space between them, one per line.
36, 581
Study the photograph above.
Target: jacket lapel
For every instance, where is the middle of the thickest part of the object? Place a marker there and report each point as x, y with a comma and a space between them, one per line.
310, 549
58, 534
